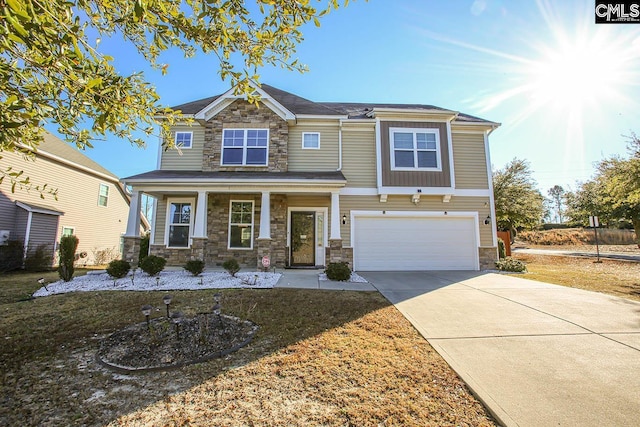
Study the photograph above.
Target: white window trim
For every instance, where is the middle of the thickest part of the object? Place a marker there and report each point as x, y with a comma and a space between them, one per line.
310, 133
100, 195
392, 156
183, 147
244, 149
167, 221
253, 220
73, 232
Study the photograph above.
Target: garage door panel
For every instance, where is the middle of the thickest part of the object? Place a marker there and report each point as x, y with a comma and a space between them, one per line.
414, 243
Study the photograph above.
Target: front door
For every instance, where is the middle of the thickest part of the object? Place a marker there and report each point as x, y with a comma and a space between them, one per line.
303, 251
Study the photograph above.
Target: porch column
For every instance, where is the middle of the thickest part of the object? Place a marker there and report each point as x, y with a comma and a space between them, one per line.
200, 225
133, 221
335, 216
265, 216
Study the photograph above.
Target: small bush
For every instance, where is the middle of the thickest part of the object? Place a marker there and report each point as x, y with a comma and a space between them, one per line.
68, 246
338, 271
144, 247
118, 268
194, 266
231, 266
512, 265
39, 259
103, 256
502, 252
152, 265
11, 256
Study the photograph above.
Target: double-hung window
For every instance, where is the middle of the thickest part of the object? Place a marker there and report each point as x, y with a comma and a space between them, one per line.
241, 225
103, 195
179, 224
183, 139
245, 147
415, 149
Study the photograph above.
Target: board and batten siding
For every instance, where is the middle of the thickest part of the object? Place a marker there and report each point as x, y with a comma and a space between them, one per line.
359, 157
321, 160
470, 161
417, 178
97, 227
403, 203
185, 158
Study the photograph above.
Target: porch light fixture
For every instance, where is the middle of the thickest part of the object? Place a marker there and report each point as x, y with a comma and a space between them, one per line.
167, 301
487, 220
415, 199
344, 219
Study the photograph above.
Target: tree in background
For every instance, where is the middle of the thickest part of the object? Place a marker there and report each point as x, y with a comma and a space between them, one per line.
52, 69
556, 193
518, 203
614, 192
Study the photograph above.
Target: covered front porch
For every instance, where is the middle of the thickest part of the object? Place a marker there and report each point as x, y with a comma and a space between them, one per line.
291, 220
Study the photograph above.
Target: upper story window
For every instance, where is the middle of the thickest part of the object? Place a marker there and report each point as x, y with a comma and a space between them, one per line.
415, 149
103, 195
245, 147
311, 140
184, 139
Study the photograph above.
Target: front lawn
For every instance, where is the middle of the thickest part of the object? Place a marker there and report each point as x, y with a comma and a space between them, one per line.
319, 358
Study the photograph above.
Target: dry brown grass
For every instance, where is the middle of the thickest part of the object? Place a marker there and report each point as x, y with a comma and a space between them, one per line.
320, 358
617, 278
578, 236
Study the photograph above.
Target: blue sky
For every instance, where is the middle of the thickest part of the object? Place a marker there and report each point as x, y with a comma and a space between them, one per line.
564, 88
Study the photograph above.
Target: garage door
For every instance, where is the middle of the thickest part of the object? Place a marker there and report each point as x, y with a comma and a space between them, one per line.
414, 243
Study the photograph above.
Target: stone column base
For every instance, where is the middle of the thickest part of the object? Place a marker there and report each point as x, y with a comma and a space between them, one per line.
131, 249
198, 245
488, 257
338, 253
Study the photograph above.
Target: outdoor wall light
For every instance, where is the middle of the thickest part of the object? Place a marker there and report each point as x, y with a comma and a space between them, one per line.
167, 301
487, 220
344, 219
415, 199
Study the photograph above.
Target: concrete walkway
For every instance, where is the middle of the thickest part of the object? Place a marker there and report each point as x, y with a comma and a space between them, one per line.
536, 354
309, 279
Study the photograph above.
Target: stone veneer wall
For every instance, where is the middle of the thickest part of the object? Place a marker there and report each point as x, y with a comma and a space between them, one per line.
488, 257
338, 253
131, 249
241, 114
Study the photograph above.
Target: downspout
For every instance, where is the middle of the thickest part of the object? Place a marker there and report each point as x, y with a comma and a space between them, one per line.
340, 147
27, 234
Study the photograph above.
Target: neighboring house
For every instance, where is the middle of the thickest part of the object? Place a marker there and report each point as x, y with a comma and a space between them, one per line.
91, 205
381, 186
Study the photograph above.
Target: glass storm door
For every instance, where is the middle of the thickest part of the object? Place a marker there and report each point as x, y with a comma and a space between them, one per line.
303, 239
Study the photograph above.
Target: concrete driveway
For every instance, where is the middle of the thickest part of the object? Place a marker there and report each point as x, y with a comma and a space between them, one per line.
536, 354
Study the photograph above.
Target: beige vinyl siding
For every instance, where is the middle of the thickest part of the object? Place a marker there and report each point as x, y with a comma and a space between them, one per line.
95, 226
324, 159
161, 216
186, 158
359, 157
469, 160
403, 203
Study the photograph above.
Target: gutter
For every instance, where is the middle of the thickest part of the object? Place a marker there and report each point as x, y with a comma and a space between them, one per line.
340, 146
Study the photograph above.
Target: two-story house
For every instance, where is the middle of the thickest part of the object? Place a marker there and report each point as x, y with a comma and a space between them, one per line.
381, 186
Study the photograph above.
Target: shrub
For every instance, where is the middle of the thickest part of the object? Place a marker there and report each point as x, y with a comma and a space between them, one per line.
502, 252
39, 259
232, 266
118, 268
103, 256
68, 246
338, 271
194, 266
11, 256
144, 247
512, 265
152, 265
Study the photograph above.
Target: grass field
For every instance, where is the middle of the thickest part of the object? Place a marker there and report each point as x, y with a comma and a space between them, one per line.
319, 358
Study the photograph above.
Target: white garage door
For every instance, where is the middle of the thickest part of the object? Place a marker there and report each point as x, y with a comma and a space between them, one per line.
414, 243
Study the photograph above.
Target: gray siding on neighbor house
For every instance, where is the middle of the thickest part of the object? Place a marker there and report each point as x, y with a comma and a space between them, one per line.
20, 225
415, 178
7, 213
43, 230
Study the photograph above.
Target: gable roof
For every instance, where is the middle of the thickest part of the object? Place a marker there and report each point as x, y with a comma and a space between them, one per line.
302, 106
57, 149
